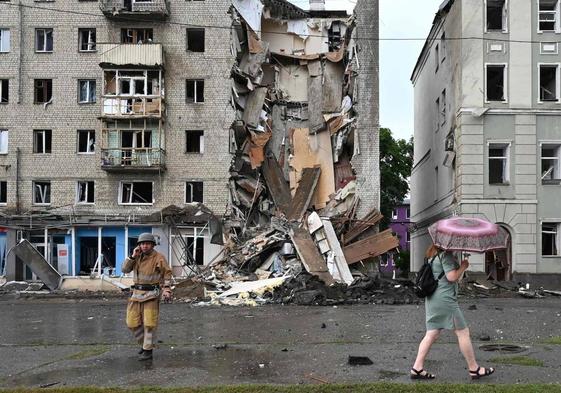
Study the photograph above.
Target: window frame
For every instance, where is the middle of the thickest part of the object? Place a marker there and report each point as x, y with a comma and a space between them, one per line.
557, 18
6, 89
120, 196
34, 184
442, 115
557, 82
45, 30
191, 182
45, 90
193, 30
505, 19
505, 83
557, 159
4, 192
88, 152
4, 151
201, 146
195, 88
44, 132
87, 182
89, 43
557, 237
507, 145
5, 31
89, 91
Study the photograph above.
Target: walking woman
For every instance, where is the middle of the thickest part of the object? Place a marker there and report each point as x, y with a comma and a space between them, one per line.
443, 312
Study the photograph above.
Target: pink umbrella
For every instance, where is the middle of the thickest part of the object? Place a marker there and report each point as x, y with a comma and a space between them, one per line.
468, 234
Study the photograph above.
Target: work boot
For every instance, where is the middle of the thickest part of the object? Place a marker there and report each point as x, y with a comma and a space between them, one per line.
141, 351
145, 355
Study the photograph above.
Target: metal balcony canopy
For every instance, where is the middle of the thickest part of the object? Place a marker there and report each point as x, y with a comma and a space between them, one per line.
135, 55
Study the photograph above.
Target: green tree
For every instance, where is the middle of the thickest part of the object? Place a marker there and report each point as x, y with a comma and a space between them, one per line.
396, 161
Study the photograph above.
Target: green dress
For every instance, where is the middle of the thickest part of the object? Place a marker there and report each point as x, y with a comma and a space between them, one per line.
442, 309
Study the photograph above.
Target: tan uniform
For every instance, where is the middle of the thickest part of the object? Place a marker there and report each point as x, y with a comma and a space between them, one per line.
143, 309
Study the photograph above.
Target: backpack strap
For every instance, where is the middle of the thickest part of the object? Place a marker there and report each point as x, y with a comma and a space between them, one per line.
442, 273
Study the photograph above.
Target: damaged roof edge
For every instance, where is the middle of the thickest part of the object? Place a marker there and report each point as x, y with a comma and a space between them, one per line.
292, 11
438, 18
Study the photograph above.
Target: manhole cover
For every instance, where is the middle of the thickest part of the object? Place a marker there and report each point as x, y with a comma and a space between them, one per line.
510, 348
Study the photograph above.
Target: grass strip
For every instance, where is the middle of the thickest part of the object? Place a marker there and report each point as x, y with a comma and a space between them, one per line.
518, 361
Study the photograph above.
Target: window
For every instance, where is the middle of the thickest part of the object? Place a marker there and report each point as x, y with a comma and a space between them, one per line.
4, 91
3, 192
43, 91
437, 116
436, 184
86, 91
550, 164
3, 141
442, 109
136, 36
550, 239
408, 213
407, 237
136, 193
87, 40
195, 40
496, 15
194, 141
4, 40
85, 192
436, 57
334, 36
195, 90
443, 46
196, 247
194, 191
548, 15
42, 140
549, 82
86, 141
495, 78
394, 214
42, 193
499, 167
43, 40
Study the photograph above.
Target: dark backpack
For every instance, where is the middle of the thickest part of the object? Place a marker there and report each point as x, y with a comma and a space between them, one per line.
425, 283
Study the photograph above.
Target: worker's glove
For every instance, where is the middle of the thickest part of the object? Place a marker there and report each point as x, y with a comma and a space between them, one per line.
167, 295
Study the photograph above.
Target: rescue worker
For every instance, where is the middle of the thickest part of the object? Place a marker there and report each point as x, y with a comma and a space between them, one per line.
152, 279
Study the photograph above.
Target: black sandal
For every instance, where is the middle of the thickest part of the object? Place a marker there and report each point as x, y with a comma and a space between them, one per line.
476, 375
419, 374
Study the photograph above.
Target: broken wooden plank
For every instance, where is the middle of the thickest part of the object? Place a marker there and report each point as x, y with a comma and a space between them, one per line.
254, 106
309, 254
371, 219
278, 187
370, 247
304, 193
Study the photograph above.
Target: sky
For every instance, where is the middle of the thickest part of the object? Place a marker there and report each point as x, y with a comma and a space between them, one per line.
398, 19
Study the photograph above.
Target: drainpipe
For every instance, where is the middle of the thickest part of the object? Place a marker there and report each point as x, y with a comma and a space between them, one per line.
20, 51
18, 203
74, 251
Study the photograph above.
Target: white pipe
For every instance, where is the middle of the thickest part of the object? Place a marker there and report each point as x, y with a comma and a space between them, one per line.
73, 233
99, 251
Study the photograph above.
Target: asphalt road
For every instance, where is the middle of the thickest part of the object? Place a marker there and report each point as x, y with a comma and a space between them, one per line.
72, 343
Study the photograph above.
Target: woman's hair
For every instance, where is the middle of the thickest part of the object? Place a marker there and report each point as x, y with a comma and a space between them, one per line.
432, 251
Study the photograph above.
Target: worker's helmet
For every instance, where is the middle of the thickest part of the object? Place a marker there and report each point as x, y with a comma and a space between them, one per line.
146, 237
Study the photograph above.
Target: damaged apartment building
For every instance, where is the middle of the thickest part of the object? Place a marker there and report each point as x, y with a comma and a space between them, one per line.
200, 122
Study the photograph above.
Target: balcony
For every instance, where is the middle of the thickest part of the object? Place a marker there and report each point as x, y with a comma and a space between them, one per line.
149, 55
144, 10
131, 107
133, 159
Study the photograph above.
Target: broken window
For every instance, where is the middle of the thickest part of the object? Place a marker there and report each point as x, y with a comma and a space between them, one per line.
196, 247
437, 117
442, 109
550, 164
195, 90
85, 192
136, 193
86, 90
550, 238
4, 40
136, 36
43, 40
194, 141
3, 141
195, 40
194, 191
42, 193
3, 192
549, 80
496, 15
548, 15
42, 140
4, 91
334, 36
499, 163
443, 46
43, 90
436, 57
86, 40
495, 77
86, 141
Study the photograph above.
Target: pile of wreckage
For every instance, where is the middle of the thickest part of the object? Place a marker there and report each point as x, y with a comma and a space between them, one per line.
292, 222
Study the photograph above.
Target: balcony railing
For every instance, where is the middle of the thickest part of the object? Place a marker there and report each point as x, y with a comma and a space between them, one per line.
128, 107
133, 159
116, 9
147, 54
